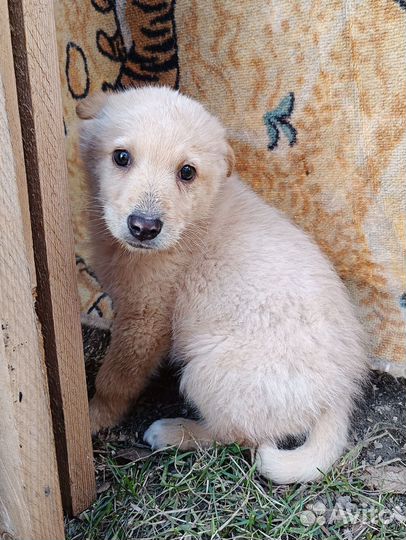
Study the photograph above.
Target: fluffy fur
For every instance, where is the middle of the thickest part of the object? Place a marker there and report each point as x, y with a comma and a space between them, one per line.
244, 300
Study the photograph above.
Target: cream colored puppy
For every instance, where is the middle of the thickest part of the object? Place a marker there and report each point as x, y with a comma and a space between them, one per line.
199, 266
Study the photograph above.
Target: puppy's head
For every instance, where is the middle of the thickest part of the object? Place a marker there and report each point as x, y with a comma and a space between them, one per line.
156, 160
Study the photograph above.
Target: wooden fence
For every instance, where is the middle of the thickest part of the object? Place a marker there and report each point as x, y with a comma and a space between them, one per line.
45, 445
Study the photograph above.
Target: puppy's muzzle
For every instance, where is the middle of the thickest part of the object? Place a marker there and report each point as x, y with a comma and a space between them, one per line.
143, 228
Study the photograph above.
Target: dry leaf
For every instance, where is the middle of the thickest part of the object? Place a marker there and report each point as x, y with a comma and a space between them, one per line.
103, 487
387, 479
128, 455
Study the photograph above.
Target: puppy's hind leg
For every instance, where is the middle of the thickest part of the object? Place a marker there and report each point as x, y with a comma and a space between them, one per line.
181, 432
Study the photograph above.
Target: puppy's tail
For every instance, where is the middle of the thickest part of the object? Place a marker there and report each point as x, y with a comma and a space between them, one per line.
323, 446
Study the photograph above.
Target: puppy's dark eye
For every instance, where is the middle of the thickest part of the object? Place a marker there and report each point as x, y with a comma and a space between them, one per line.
187, 173
121, 158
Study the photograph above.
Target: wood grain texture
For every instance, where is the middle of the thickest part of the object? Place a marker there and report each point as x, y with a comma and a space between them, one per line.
37, 74
11, 104
30, 501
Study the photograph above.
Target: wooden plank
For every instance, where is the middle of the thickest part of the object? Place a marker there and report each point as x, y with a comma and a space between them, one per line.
10, 94
30, 501
36, 68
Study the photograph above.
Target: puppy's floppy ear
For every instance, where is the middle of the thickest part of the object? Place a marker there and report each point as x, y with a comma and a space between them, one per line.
230, 157
91, 106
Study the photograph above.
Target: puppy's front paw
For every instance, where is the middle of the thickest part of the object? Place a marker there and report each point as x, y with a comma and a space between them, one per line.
166, 432
102, 415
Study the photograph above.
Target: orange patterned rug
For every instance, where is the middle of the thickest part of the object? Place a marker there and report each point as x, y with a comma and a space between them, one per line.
313, 97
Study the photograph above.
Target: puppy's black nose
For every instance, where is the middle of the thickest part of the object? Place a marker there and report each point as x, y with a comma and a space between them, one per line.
143, 228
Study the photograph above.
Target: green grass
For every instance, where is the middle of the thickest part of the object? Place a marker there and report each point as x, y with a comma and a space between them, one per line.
216, 493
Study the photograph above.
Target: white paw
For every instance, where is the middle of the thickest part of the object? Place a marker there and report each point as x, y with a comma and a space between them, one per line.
163, 433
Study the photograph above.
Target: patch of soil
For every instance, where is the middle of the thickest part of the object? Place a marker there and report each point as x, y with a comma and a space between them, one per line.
384, 407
